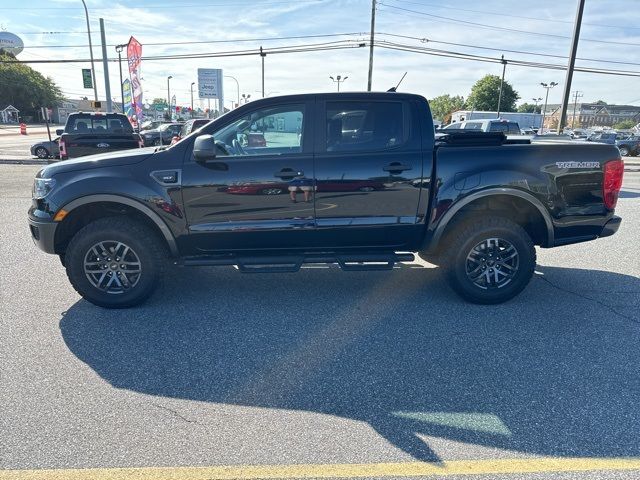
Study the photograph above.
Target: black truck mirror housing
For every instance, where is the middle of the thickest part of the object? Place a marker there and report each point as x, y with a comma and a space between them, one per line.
204, 148
59, 131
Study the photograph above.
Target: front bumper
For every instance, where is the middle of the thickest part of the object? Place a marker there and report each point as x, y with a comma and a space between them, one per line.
43, 234
611, 227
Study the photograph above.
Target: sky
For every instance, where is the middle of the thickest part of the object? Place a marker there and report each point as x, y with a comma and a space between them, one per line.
537, 31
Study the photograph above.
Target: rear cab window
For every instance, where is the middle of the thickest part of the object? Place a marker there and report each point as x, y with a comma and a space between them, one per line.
98, 124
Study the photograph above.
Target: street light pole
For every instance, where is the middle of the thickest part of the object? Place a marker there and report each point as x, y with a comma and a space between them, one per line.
338, 80
93, 68
119, 49
237, 85
576, 96
192, 84
546, 98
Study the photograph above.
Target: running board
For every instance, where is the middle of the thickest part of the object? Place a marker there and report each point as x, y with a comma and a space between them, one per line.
292, 263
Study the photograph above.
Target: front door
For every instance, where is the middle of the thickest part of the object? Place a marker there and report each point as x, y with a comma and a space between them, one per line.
368, 173
257, 193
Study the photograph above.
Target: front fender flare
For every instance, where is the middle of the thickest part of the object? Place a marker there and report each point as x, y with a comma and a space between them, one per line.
142, 208
455, 208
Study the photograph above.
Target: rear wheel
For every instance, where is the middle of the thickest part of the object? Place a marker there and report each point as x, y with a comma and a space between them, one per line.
624, 151
489, 260
115, 262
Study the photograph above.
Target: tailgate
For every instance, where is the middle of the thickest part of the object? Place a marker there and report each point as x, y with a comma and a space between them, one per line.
81, 145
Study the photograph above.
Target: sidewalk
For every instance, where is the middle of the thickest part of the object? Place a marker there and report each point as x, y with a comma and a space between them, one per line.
35, 128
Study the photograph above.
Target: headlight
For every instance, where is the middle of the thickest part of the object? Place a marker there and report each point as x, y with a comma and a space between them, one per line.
42, 187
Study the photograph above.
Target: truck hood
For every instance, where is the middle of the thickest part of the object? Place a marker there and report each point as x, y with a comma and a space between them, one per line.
112, 159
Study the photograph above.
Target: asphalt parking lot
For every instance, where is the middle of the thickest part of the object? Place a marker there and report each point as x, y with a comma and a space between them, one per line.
323, 373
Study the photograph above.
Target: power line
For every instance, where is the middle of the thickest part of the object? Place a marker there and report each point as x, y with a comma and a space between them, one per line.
172, 6
505, 29
429, 40
202, 42
484, 12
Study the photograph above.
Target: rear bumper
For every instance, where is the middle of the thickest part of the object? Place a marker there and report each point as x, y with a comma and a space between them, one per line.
611, 227
43, 234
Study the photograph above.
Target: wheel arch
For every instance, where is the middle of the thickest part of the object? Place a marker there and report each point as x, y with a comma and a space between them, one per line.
542, 217
99, 205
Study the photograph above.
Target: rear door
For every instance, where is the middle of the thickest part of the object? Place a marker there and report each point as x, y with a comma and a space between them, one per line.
368, 168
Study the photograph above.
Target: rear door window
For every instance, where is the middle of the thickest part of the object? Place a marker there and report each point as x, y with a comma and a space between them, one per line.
366, 126
473, 126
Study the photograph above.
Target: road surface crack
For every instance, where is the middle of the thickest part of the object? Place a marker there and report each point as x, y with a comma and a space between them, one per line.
174, 413
605, 305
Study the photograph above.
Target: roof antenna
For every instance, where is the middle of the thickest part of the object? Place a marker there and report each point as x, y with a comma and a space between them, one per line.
393, 89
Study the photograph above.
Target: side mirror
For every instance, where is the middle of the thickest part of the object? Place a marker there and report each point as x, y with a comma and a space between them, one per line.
59, 131
204, 148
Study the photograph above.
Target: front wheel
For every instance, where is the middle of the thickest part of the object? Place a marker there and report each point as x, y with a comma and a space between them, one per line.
42, 152
115, 262
489, 260
624, 151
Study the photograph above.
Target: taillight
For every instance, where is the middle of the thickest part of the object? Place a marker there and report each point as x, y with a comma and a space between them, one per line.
63, 149
612, 183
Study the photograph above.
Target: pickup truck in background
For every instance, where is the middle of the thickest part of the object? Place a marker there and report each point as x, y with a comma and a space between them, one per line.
88, 133
508, 127
475, 204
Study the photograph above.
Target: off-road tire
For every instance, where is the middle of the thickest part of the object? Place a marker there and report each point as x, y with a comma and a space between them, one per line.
459, 245
149, 249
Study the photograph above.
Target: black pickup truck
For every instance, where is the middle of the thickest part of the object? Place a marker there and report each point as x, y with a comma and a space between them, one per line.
364, 195
88, 133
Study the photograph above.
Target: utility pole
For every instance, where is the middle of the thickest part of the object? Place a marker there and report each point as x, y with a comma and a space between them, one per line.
373, 28
576, 96
546, 98
504, 67
262, 54
93, 68
169, 97
572, 62
105, 66
338, 80
119, 49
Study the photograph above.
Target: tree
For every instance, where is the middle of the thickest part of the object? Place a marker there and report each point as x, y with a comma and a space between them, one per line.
624, 125
25, 88
444, 105
484, 95
159, 101
529, 108
601, 102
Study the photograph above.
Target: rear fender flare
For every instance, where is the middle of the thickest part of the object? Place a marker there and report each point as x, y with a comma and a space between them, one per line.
449, 214
153, 216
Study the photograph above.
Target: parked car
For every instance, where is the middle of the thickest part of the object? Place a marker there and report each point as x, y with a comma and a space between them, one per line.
188, 127
46, 149
161, 135
152, 125
87, 133
476, 204
628, 145
508, 127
